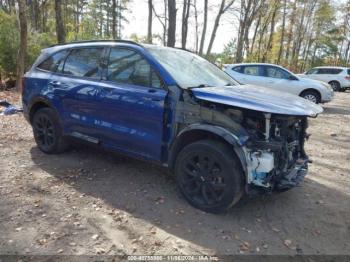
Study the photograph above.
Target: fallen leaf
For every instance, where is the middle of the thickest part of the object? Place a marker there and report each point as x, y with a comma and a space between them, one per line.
244, 246
95, 237
275, 229
287, 242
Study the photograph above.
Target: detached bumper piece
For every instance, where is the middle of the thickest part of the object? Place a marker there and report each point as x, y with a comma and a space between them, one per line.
294, 176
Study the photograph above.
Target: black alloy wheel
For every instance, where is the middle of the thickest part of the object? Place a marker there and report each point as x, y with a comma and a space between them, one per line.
209, 176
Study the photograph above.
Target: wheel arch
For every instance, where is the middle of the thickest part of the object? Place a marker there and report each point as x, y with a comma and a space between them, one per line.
338, 82
311, 90
334, 80
196, 132
38, 104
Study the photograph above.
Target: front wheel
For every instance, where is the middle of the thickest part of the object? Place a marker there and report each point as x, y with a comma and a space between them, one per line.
311, 96
209, 176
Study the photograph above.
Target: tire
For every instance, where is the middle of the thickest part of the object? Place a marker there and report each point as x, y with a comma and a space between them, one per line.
48, 132
312, 96
209, 176
335, 85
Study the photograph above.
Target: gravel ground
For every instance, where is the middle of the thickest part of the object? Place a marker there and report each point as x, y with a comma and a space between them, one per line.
91, 202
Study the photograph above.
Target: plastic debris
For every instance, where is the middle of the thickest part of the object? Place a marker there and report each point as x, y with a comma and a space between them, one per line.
9, 109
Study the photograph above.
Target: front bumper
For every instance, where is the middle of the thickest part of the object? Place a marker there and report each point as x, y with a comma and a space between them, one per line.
294, 176
291, 178
328, 97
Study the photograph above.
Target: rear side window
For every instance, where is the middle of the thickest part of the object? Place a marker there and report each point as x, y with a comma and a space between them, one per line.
329, 71
129, 67
348, 71
84, 62
54, 62
251, 70
335, 71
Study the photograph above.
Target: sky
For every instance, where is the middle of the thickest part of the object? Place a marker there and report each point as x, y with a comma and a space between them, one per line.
138, 16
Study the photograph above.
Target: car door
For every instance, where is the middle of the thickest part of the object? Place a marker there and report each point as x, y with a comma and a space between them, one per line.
281, 80
251, 74
131, 105
75, 85
323, 74
313, 74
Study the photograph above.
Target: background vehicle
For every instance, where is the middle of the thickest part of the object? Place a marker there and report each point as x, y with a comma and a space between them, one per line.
174, 108
337, 77
280, 79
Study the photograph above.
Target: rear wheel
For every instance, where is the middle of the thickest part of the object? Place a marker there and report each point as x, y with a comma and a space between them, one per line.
209, 176
47, 132
312, 96
335, 86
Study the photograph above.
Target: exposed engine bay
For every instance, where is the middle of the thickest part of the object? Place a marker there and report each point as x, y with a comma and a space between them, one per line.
275, 151
273, 144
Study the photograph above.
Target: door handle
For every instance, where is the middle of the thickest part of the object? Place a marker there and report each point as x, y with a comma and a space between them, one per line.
55, 83
151, 90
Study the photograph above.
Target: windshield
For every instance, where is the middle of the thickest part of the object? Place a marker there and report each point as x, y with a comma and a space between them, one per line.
190, 70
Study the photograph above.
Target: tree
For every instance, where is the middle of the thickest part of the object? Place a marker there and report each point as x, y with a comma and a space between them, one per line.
150, 20
60, 32
185, 16
282, 31
223, 8
21, 61
172, 23
114, 19
204, 31
248, 11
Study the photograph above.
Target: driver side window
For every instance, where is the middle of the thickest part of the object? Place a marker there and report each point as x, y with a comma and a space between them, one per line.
276, 72
128, 67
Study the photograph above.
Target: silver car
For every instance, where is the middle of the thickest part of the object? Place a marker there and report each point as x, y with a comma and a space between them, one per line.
280, 79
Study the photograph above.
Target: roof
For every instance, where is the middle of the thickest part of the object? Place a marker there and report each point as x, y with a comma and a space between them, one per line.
333, 67
91, 43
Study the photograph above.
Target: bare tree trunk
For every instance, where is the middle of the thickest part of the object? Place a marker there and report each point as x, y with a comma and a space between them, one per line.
282, 33
254, 36
196, 24
185, 16
290, 31
114, 19
150, 20
21, 61
61, 35
172, 23
272, 28
215, 28
204, 31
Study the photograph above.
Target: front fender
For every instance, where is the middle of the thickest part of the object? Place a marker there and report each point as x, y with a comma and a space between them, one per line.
236, 140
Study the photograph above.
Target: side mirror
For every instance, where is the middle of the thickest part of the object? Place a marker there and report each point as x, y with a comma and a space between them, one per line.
291, 77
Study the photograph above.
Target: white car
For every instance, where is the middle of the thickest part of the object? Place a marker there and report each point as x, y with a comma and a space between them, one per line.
337, 77
279, 78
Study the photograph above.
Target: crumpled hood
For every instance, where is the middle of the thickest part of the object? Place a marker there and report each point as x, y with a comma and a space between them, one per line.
259, 99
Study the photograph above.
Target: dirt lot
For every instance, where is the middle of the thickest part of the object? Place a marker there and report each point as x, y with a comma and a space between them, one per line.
91, 202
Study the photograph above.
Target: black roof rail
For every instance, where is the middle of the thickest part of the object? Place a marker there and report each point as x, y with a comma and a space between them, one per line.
101, 40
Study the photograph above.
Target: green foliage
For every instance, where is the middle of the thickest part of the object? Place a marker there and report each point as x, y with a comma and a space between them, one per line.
9, 43
227, 56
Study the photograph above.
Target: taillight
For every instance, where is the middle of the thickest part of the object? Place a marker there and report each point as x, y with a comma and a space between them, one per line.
347, 78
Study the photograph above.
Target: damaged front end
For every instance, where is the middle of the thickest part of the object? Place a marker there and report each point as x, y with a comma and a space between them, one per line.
274, 152
270, 132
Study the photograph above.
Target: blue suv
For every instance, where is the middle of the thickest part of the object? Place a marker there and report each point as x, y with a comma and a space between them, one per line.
172, 107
